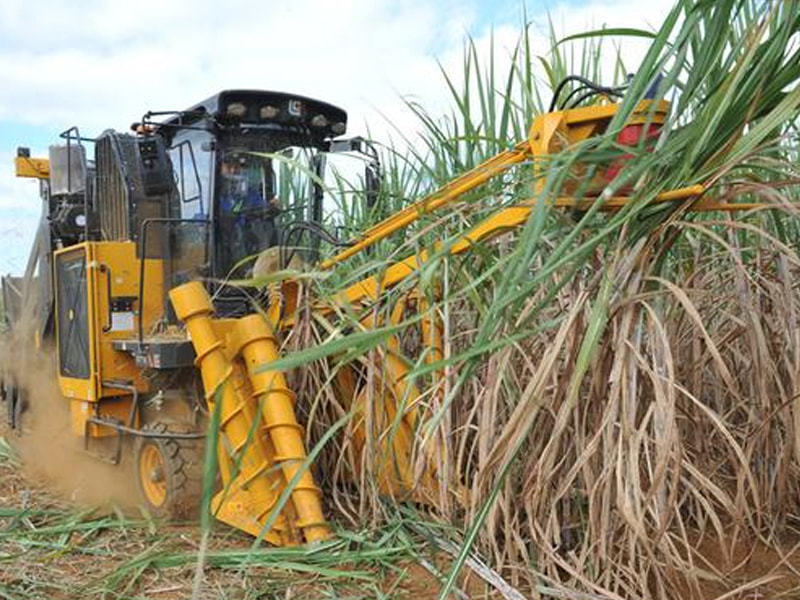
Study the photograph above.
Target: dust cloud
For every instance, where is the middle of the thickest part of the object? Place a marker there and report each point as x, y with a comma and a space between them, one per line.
52, 455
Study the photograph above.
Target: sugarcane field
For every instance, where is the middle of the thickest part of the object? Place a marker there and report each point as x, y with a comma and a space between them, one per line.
400, 300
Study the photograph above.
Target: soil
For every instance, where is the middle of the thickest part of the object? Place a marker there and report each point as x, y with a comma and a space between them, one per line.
70, 527
752, 567
97, 561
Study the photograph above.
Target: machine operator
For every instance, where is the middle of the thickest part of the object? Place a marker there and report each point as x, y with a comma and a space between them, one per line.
248, 207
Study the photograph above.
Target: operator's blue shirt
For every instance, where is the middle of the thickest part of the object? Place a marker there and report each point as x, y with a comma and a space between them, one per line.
238, 204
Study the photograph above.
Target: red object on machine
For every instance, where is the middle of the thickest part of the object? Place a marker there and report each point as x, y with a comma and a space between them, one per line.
632, 135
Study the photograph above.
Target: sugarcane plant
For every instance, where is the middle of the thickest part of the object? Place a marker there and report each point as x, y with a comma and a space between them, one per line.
610, 388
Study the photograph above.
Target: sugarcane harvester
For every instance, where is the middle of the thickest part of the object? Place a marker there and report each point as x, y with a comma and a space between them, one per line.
135, 243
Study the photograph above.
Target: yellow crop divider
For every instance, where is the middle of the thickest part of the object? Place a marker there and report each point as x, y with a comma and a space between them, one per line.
252, 483
276, 401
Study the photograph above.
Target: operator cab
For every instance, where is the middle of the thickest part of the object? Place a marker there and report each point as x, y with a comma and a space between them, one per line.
247, 166
203, 194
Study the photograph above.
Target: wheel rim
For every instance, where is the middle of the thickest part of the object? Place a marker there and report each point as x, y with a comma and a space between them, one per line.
152, 475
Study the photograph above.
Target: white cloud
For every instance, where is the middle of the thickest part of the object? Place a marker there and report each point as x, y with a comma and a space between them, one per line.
20, 209
101, 64
17, 234
106, 66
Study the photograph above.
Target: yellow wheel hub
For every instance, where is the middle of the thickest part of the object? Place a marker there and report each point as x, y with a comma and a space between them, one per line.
152, 475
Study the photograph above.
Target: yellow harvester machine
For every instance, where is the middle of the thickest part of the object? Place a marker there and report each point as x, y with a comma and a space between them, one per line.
136, 240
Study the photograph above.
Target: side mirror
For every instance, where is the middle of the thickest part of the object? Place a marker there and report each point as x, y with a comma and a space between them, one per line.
372, 181
373, 178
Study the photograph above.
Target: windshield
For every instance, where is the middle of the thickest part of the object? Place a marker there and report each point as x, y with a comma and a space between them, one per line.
247, 205
260, 190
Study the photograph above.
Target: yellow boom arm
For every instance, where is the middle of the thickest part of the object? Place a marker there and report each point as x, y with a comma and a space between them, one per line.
549, 133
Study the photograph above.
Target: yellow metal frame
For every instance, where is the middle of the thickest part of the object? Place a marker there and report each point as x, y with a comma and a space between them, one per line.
110, 267
549, 133
34, 168
261, 443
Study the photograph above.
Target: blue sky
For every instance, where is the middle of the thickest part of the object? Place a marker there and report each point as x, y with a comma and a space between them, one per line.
101, 63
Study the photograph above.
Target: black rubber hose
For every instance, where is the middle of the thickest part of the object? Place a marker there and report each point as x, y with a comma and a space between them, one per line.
585, 83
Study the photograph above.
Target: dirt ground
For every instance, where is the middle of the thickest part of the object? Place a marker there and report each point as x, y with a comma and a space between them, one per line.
53, 546
70, 528
753, 570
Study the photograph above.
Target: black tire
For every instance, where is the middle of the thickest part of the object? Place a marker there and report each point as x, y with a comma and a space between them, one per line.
16, 403
8, 394
179, 476
11, 407
20, 406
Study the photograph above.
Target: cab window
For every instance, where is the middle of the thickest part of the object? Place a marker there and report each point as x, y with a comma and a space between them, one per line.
191, 164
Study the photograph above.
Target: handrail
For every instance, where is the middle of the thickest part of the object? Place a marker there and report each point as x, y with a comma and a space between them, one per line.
106, 270
68, 135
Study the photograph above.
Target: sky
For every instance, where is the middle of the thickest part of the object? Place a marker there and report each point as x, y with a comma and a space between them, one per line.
100, 64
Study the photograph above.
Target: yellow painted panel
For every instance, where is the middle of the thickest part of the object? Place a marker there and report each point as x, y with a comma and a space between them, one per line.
37, 168
116, 271
80, 411
113, 276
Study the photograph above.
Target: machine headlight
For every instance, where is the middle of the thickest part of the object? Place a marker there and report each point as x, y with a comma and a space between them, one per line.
319, 121
338, 128
269, 112
236, 109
